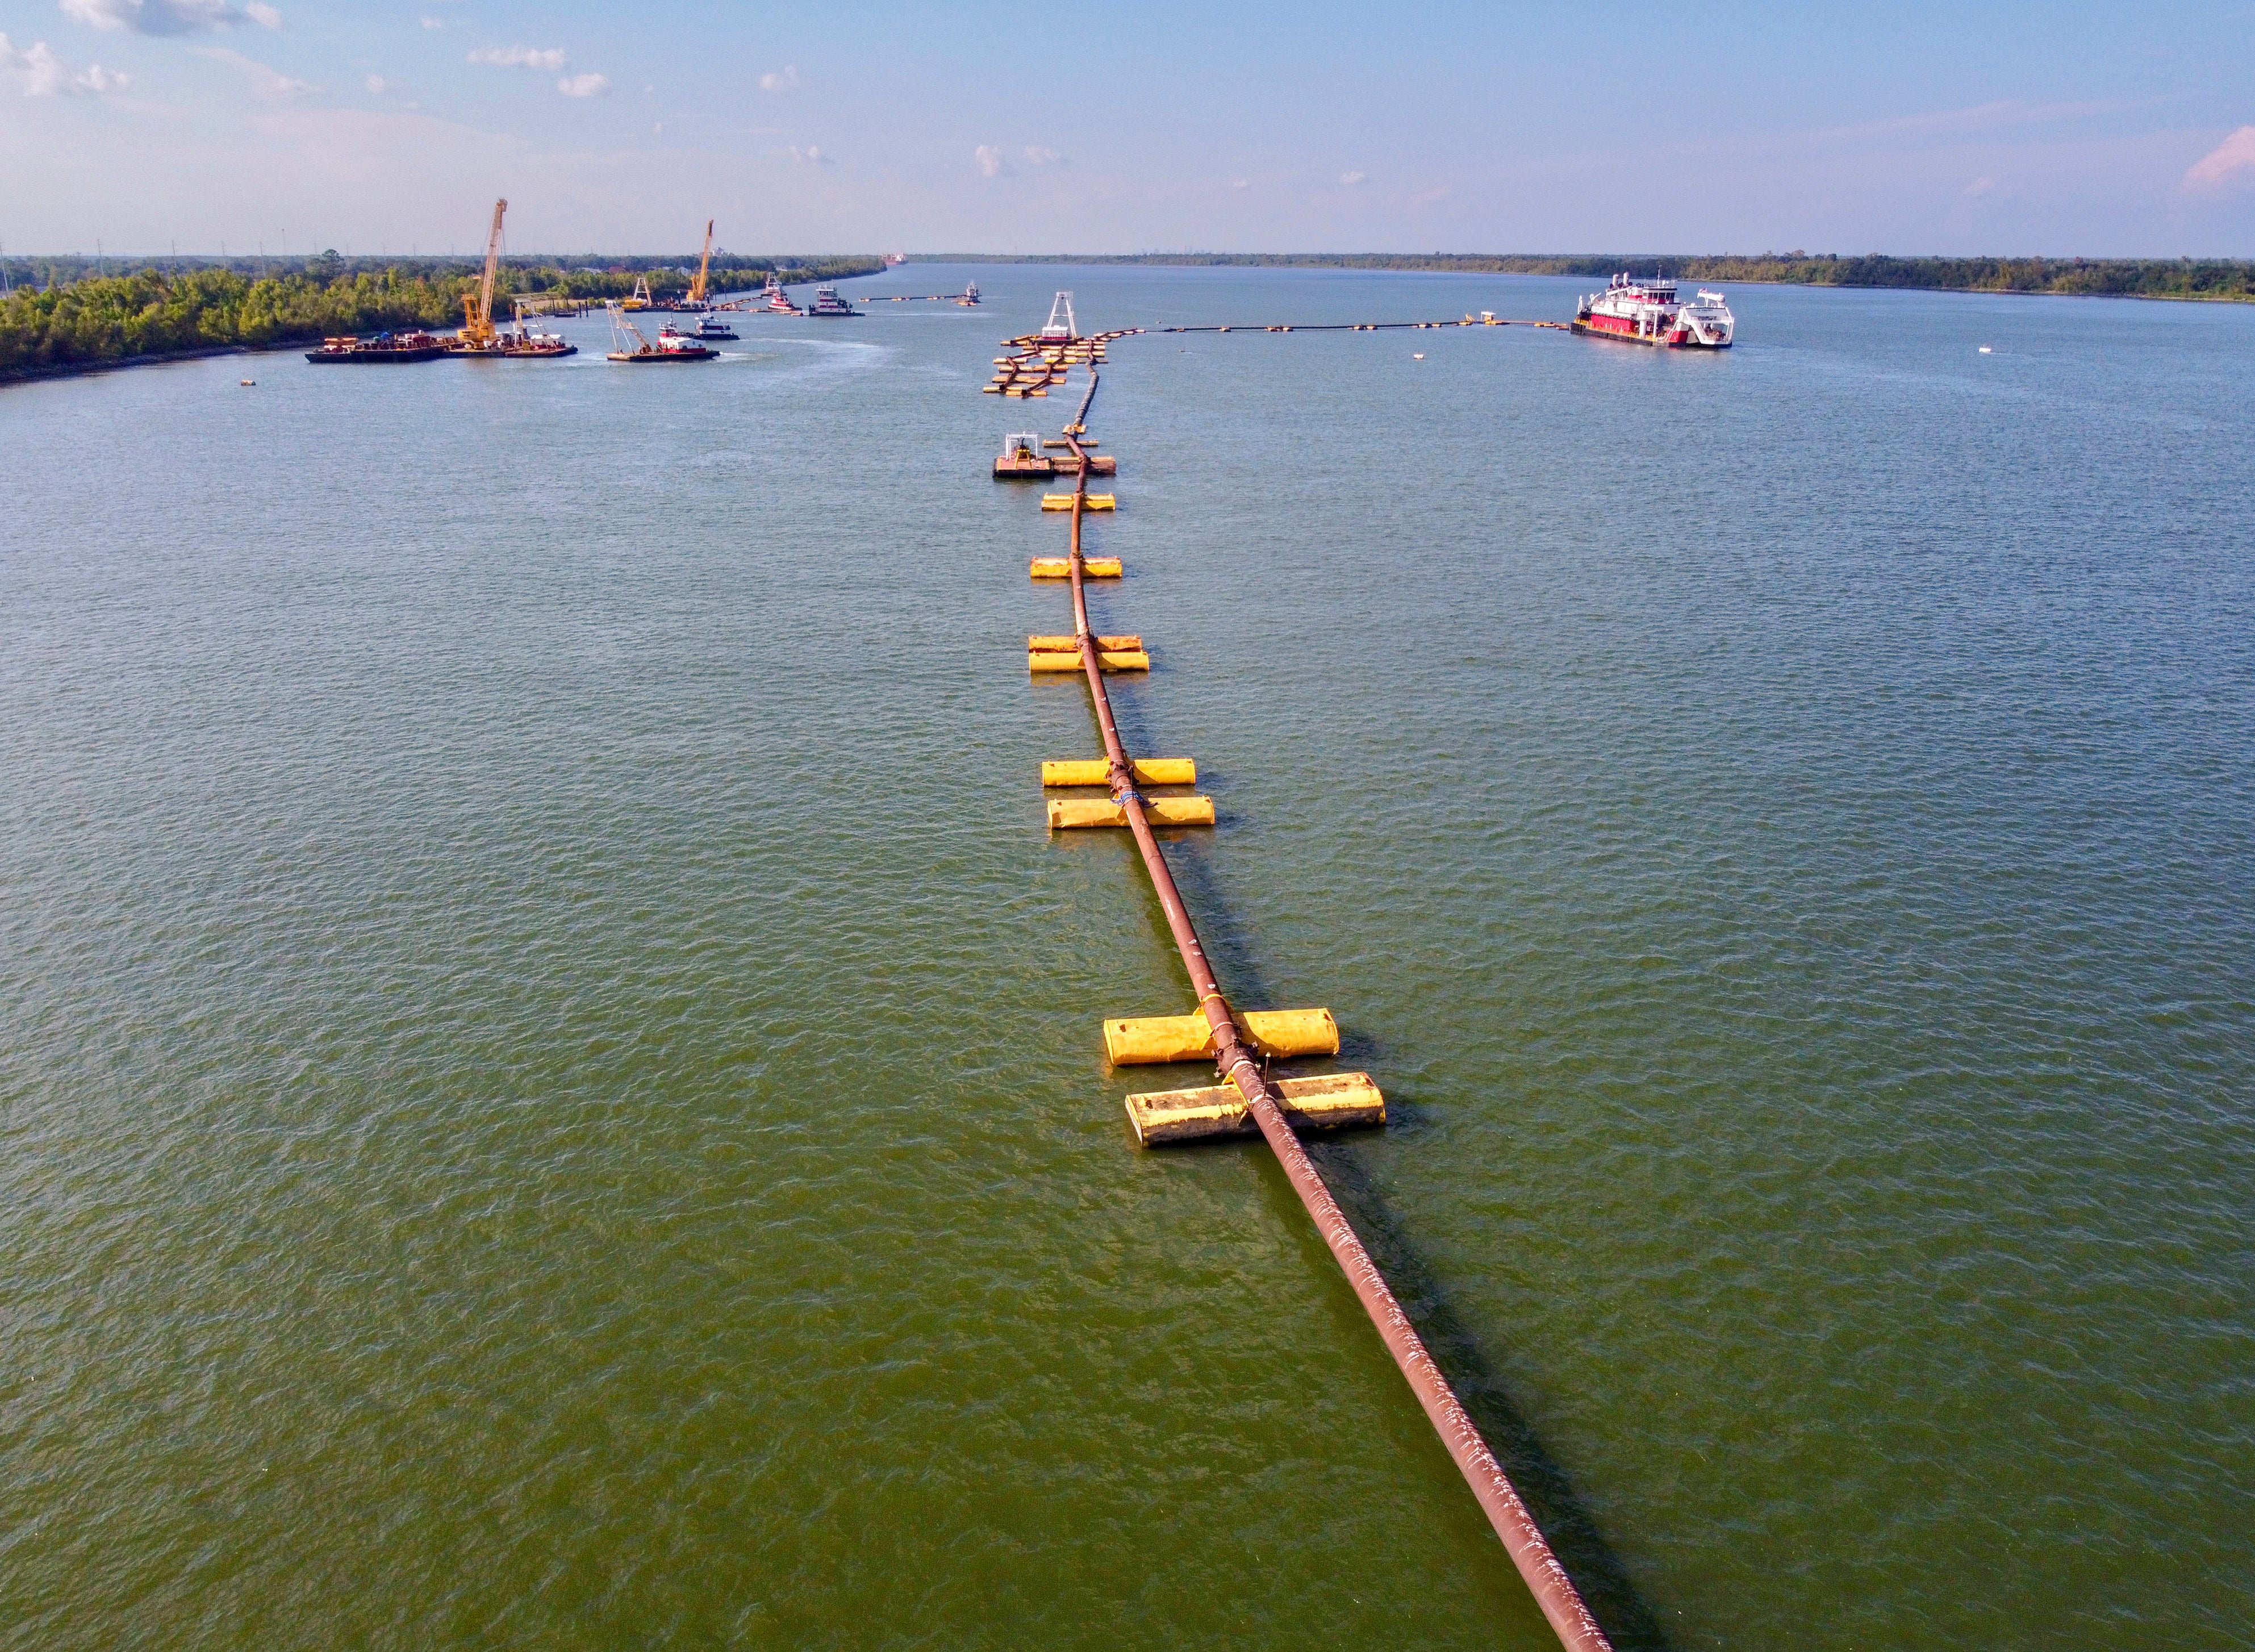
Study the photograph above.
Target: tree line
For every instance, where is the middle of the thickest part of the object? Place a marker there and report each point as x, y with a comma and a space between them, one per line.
2226, 278
153, 311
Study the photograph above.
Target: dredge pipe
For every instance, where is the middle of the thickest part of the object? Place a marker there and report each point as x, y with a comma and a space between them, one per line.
1569, 1614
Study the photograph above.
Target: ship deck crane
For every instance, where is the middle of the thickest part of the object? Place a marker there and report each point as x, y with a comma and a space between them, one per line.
477, 307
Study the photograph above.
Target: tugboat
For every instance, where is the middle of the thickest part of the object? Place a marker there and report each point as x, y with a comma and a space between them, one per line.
381, 348
712, 325
1640, 312
970, 294
827, 303
671, 346
779, 299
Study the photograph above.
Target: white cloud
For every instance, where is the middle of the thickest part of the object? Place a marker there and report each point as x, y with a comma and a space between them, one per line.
2230, 162
782, 79
434, 23
584, 84
265, 80
1240, 183
168, 16
812, 156
1979, 186
548, 58
1037, 156
378, 85
44, 74
1349, 180
991, 164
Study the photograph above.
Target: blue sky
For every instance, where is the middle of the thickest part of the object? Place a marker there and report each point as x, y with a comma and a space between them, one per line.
1909, 128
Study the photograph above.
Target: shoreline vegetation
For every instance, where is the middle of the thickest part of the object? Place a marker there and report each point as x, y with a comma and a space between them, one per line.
66, 317
2229, 279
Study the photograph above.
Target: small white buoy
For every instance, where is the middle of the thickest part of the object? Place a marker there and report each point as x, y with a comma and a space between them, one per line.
1418, 355
1984, 349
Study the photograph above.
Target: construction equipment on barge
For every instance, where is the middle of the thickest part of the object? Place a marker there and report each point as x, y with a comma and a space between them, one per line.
1240, 1044
671, 346
479, 337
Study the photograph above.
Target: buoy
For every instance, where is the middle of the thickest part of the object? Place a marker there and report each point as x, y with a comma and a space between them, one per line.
1418, 356
1984, 350
1094, 771
1333, 1101
1066, 813
1061, 567
1091, 502
1145, 1040
248, 382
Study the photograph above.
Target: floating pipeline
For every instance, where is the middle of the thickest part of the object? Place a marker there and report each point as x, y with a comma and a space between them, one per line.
1237, 1043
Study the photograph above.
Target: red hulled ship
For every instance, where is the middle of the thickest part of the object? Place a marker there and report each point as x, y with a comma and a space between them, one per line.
1648, 313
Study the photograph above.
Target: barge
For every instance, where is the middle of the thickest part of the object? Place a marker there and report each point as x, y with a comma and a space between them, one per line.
376, 351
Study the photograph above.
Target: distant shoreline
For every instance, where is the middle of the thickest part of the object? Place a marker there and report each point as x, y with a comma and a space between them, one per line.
2224, 280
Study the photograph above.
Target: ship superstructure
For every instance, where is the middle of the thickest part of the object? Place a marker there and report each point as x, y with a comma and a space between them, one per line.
1647, 312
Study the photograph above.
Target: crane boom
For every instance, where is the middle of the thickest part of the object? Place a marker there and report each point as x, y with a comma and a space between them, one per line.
697, 289
477, 308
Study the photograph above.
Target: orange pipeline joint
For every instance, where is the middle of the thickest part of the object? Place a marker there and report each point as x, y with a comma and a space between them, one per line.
1143, 1040
1066, 813
1061, 567
1094, 771
1333, 1101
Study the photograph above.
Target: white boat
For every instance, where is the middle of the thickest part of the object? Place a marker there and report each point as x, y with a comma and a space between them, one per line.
1640, 312
826, 302
711, 326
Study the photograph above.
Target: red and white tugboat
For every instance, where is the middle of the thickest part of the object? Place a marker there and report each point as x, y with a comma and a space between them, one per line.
779, 299
1647, 313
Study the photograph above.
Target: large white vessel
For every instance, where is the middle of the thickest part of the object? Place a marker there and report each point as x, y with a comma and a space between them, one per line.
1648, 313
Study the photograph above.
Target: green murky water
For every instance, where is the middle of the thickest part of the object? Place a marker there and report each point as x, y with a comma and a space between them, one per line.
549, 1072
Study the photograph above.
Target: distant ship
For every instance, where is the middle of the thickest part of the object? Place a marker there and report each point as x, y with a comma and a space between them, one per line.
379, 349
1647, 313
826, 302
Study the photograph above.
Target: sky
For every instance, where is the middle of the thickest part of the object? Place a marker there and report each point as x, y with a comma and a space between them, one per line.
2098, 131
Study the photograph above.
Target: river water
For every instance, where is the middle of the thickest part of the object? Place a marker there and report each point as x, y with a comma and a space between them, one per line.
551, 1075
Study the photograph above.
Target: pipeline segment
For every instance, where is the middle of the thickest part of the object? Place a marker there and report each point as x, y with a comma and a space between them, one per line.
1266, 1103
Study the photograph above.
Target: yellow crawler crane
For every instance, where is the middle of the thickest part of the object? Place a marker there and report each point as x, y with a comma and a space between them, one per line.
477, 307
696, 288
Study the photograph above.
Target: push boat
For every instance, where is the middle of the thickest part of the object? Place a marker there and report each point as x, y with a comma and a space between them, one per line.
671, 345
826, 302
381, 348
711, 326
779, 299
1639, 311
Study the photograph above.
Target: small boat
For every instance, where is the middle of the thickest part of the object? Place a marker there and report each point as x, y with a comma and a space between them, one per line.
1638, 311
376, 351
671, 345
711, 326
970, 295
1021, 455
779, 299
827, 303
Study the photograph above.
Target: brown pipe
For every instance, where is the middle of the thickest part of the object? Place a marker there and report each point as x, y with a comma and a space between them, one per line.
1538, 1564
